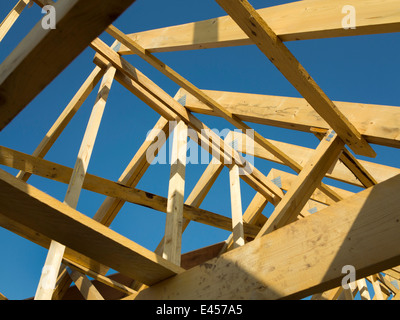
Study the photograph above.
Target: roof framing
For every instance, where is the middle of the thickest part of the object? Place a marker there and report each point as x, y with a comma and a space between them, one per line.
325, 225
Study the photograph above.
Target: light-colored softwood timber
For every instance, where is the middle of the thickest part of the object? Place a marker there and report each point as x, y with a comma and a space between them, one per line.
377, 289
376, 123
363, 289
102, 279
134, 171
176, 192
123, 284
388, 284
102, 49
60, 46
195, 199
236, 207
65, 117
56, 220
85, 286
286, 180
8, 22
369, 172
309, 19
270, 268
269, 43
163, 103
3, 297
173, 75
115, 190
53, 261
42, 240
355, 166
308, 179
252, 215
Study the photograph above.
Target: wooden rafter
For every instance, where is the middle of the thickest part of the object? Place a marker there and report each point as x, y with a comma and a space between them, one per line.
309, 20
8, 22
326, 226
60, 46
309, 178
269, 43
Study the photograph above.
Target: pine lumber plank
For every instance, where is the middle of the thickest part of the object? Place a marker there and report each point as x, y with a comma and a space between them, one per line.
270, 268
340, 172
133, 172
184, 83
119, 191
308, 179
377, 123
102, 279
85, 286
236, 207
65, 117
176, 192
268, 42
54, 257
363, 289
10, 19
60, 46
309, 19
56, 220
161, 102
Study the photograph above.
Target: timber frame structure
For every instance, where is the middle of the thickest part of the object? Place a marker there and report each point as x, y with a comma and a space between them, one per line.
298, 251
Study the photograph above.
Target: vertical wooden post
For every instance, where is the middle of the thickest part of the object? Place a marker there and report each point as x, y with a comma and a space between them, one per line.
236, 207
56, 251
174, 221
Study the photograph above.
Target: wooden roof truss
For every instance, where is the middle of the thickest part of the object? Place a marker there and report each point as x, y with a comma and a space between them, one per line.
314, 230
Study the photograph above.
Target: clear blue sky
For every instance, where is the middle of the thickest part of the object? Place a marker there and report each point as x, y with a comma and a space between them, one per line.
355, 69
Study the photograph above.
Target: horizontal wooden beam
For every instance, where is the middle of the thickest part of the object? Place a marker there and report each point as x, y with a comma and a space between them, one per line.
60, 173
377, 123
309, 19
25, 72
301, 154
351, 232
56, 220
